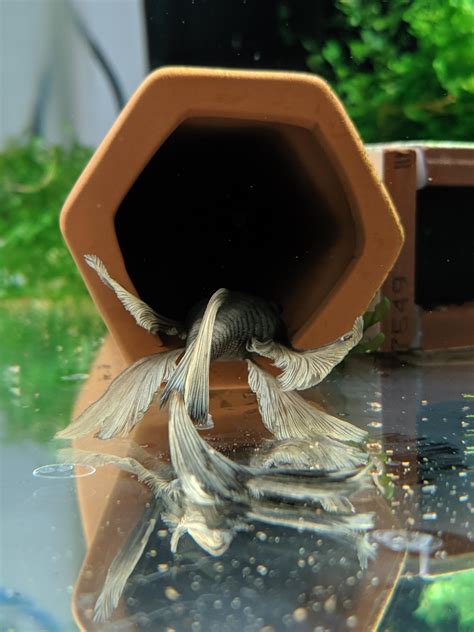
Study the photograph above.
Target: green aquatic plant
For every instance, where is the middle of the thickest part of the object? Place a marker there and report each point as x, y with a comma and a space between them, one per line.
371, 318
446, 604
47, 349
35, 180
403, 69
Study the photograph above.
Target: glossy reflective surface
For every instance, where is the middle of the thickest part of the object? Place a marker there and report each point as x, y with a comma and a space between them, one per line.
60, 534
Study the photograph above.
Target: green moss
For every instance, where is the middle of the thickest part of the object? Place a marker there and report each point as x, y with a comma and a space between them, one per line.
47, 349
403, 68
35, 180
446, 604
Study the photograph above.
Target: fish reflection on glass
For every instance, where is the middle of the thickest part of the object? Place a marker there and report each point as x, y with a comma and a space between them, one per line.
412, 541
232, 325
190, 504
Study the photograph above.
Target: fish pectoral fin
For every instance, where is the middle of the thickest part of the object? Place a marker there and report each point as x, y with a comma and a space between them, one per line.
319, 454
337, 504
304, 369
124, 563
205, 474
126, 400
289, 416
143, 314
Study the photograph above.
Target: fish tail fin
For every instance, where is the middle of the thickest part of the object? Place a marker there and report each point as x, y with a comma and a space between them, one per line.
124, 563
192, 376
365, 550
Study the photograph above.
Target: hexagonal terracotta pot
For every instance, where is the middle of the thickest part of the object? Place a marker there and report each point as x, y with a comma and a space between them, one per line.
255, 181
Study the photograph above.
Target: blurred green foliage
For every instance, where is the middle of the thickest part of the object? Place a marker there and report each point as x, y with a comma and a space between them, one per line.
404, 69
46, 351
49, 327
447, 604
373, 317
35, 180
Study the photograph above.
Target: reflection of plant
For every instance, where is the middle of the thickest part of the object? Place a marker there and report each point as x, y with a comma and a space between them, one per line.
403, 69
371, 318
446, 604
46, 350
34, 182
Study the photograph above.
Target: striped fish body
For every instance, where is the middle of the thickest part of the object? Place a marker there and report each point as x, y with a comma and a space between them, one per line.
240, 319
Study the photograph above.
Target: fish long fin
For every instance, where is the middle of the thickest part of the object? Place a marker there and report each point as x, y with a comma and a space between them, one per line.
192, 375
337, 504
345, 527
351, 529
287, 415
160, 481
126, 400
320, 454
205, 475
124, 563
290, 489
143, 314
304, 369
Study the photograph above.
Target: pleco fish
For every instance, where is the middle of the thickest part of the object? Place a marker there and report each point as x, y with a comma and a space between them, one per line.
204, 493
221, 329
412, 541
230, 325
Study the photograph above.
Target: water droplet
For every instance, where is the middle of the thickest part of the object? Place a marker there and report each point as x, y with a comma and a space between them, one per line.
330, 604
375, 424
374, 446
63, 470
375, 406
75, 377
205, 425
300, 615
171, 593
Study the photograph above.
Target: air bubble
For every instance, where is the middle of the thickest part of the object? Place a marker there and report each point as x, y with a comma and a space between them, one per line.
63, 470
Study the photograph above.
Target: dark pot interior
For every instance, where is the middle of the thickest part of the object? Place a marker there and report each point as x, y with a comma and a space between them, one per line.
243, 205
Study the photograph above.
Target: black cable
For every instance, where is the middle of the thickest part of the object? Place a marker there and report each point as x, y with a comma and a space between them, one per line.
38, 115
100, 57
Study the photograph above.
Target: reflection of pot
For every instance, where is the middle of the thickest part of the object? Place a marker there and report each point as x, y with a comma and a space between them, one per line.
112, 502
251, 180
